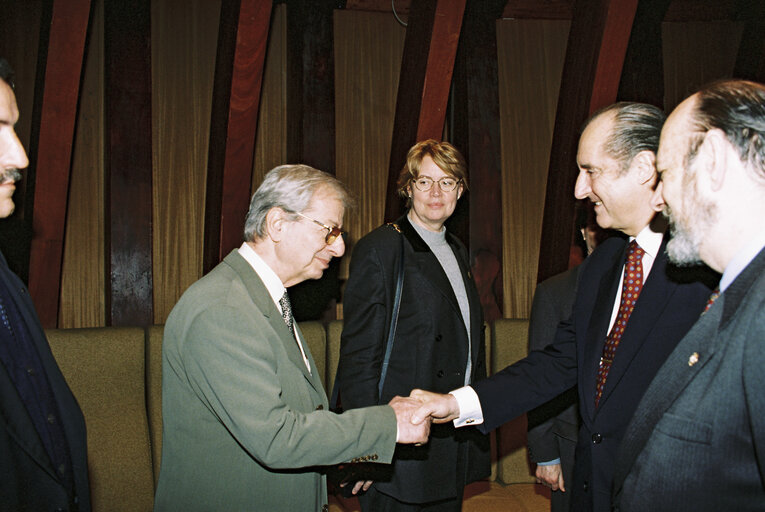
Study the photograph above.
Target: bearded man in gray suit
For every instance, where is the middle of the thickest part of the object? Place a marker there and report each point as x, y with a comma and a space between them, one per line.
246, 419
697, 439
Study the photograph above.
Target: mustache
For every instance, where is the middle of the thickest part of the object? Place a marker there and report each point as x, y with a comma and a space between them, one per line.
10, 176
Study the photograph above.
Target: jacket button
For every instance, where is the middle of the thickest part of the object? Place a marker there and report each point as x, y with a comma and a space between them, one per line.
585, 486
440, 374
438, 337
596, 438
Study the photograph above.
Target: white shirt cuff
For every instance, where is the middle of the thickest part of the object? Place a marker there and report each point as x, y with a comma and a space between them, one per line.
470, 407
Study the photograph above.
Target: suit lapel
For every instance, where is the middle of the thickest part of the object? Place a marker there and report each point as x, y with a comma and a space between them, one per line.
702, 342
598, 330
650, 305
429, 267
15, 415
669, 382
266, 306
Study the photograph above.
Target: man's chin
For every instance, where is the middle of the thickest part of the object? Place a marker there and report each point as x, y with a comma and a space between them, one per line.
682, 250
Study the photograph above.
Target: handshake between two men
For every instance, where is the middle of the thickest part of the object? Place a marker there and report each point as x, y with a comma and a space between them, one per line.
415, 413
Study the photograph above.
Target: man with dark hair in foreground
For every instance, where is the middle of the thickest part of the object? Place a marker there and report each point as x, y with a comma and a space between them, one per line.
43, 454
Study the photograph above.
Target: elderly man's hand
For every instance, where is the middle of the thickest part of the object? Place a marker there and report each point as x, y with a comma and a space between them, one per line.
551, 476
440, 408
409, 432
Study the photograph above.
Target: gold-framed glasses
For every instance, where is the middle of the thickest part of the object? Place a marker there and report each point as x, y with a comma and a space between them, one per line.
447, 184
332, 233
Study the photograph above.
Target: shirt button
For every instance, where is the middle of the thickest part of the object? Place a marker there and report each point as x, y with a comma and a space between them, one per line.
440, 374
596, 438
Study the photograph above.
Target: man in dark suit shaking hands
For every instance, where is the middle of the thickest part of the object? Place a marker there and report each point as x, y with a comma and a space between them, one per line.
628, 314
43, 455
697, 440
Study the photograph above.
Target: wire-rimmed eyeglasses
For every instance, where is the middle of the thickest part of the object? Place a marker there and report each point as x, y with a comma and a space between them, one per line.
332, 233
447, 184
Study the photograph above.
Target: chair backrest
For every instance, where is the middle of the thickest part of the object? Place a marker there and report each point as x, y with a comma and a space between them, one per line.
316, 339
509, 344
104, 368
154, 393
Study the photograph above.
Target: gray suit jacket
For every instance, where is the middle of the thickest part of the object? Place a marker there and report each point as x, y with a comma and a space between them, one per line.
245, 423
697, 439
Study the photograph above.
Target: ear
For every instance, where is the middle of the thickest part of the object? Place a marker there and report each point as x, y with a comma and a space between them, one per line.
276, 220
644, 167
460, 190
713, 158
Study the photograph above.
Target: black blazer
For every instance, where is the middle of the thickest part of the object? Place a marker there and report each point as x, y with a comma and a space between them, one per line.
429, 352
553, 428
697, 439
28, 481
667, 307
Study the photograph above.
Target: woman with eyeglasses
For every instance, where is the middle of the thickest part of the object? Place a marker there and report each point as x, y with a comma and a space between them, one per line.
437, 340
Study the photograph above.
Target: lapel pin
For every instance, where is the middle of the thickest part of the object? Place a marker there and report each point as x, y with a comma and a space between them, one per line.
693, 359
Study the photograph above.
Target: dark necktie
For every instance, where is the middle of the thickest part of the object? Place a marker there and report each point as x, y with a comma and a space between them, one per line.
284, 302
631, 286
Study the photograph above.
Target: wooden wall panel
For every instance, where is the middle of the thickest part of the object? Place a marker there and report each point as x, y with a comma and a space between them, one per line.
271, 137
53, 152
530, 54
83, 278
368, 50
696, 53
184, 38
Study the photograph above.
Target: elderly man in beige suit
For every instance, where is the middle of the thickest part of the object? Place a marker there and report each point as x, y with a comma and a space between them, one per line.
246, 423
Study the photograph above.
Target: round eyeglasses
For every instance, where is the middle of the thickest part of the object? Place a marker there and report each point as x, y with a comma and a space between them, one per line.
332, 233
447, 184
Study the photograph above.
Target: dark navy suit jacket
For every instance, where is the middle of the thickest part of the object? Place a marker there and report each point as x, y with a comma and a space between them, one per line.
667, 307
28, 480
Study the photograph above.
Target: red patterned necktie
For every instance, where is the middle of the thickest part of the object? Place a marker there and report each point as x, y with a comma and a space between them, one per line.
631, 286
712, 299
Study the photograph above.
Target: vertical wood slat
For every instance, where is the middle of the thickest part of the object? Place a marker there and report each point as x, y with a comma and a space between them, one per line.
63, 68
438, 75
127, 35
311, 103
431, 25
596, 46
239, 75
642, 77
477, 78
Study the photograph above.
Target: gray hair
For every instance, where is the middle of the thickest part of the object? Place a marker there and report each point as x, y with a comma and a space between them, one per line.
637, 127
737, 107
289, 187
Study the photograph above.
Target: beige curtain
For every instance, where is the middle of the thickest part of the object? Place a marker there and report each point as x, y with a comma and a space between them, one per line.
83, 275
530, 55
271, 141
184, 36
368, 50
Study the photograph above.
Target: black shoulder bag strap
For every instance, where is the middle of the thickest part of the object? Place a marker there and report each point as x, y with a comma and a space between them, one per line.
394, 312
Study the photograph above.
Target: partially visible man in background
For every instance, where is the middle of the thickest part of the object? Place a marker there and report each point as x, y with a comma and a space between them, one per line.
43, 453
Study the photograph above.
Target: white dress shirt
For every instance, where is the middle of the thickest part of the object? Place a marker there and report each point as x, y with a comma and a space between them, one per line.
467, 399
274, 286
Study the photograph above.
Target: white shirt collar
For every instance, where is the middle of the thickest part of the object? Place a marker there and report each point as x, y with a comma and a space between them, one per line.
649, 240
272, 282
742, 259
